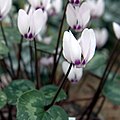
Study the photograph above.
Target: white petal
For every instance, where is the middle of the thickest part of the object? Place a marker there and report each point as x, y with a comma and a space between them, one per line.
39, 20
34, 3
57, 4
6, 7
23, 22
92, 44
116, 28
75, 49
84, 14
100, 8
65, 66
85, 42
88, 43
78, 72
71, 48
71, 16
66, 47
46, 3
101, 37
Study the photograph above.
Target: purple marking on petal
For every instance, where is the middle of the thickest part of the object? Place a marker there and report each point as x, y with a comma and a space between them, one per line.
72, 1
30, 36
83, 62
26, 36
77, 62
74, 27
74, 81
79, 27
77, 2
0, 16
37, 8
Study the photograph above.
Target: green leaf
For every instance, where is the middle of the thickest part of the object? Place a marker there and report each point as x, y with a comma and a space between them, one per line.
111, 12
50, 91
16, 89
12, 34
3, 99
30, 106
3, 50
98, 63
44, 47
112, 90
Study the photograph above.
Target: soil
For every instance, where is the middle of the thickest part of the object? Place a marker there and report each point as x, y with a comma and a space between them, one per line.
83, 93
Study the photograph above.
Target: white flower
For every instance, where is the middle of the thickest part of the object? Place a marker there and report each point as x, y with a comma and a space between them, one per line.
43, 4
116, 28
88, 44
46, 61
71, 48
31, 24
79, 52
78, 16
75, 2
71, 118
101, 37
5, 6
96, 7
55, 7
75, 73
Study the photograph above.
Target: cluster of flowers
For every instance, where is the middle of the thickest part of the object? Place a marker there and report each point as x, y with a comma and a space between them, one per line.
79, 51
78, 13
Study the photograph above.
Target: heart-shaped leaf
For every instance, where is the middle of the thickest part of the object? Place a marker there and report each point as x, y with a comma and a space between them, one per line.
16, 89
50, 91
112, 90
30, 106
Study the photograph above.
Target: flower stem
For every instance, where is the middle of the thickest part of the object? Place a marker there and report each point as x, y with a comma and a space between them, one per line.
2, 115
60, 87
108, 68
19, 56
31, 59
101, 106
38, 85
20, 49
9, 56
58, 42
25, 70
104, 78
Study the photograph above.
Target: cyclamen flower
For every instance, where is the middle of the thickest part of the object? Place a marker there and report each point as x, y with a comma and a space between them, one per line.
5, 6
31, 24
116, 28
78, 16
43, 4
75, 73
101, 37
96, 7
55, 7
75, 2
79, 52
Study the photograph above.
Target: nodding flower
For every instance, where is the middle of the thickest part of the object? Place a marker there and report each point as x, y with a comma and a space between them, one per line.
5, 6
42, 4
116, 28
78, 16
55, 7
96, 8
101, 37
79, 52
31, 24
75, 73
